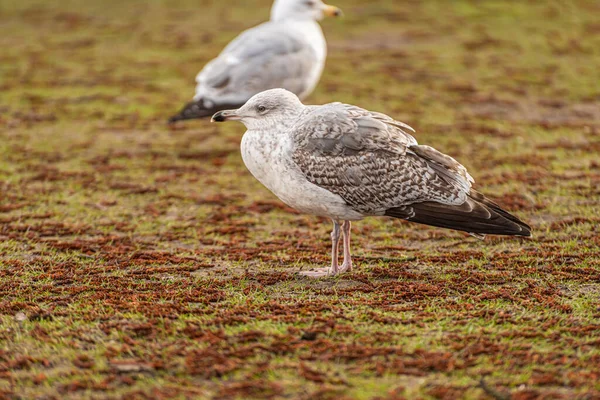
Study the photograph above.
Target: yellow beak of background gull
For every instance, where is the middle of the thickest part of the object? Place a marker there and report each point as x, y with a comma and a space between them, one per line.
332, 11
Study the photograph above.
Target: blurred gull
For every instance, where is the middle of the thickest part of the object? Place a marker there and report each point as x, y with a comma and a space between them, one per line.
346, 163
288, 51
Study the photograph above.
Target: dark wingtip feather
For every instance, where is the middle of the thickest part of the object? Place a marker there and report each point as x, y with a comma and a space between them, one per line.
196, 110
192, 110
526, 229
174, 119
478, 215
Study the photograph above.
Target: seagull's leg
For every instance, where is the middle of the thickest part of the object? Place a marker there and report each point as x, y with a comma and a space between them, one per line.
347, 265
335, 244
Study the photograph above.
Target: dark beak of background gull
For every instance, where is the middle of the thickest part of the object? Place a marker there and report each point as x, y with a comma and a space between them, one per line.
224, 115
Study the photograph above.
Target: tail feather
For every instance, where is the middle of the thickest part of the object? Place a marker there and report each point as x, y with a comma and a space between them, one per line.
197, 109
478, 216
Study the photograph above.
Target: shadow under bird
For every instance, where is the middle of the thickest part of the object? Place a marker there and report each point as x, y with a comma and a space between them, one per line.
288, 51
346, 163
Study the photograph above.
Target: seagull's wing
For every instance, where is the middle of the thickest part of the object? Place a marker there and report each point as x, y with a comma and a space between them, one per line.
338, 129
265, 57
370, 161
270, 55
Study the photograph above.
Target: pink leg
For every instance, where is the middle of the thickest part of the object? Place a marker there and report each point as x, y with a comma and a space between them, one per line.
347, 265
335, 244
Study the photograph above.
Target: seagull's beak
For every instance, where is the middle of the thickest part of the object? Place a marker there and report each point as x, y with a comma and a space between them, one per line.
332, 11
225, 115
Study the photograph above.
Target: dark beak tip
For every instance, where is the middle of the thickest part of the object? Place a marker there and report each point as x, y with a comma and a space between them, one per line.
218, 117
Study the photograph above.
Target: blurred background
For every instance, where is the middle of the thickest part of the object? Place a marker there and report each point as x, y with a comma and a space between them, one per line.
509, 89
129, 238
408, 58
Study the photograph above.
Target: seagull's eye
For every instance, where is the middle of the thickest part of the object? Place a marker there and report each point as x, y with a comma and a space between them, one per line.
261, 109
310, 3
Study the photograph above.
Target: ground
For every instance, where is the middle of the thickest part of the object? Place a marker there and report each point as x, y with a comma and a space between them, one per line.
143, 261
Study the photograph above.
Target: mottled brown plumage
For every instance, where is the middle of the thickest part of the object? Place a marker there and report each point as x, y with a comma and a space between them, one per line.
378, 168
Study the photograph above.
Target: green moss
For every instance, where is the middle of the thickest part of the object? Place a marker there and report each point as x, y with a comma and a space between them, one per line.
124, 239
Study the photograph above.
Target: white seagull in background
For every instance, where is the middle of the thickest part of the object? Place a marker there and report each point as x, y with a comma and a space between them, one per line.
346, 163
288, 51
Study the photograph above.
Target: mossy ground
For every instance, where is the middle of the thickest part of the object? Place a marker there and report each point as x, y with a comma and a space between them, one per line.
142, 261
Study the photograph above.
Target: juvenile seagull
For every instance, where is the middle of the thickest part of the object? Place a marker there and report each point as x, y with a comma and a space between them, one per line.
288, 51
346, 163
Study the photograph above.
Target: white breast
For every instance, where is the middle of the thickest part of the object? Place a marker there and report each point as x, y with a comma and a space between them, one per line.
269, 160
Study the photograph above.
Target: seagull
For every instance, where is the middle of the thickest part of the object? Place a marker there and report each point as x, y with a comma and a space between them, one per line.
288, 51
346, 163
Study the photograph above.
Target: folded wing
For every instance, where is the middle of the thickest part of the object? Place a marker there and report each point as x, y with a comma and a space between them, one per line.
265, 57
379, 169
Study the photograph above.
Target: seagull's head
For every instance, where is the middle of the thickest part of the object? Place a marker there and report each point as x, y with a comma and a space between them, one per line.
265, 109
302, 9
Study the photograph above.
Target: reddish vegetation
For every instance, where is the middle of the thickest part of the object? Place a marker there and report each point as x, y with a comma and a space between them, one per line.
142, 262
